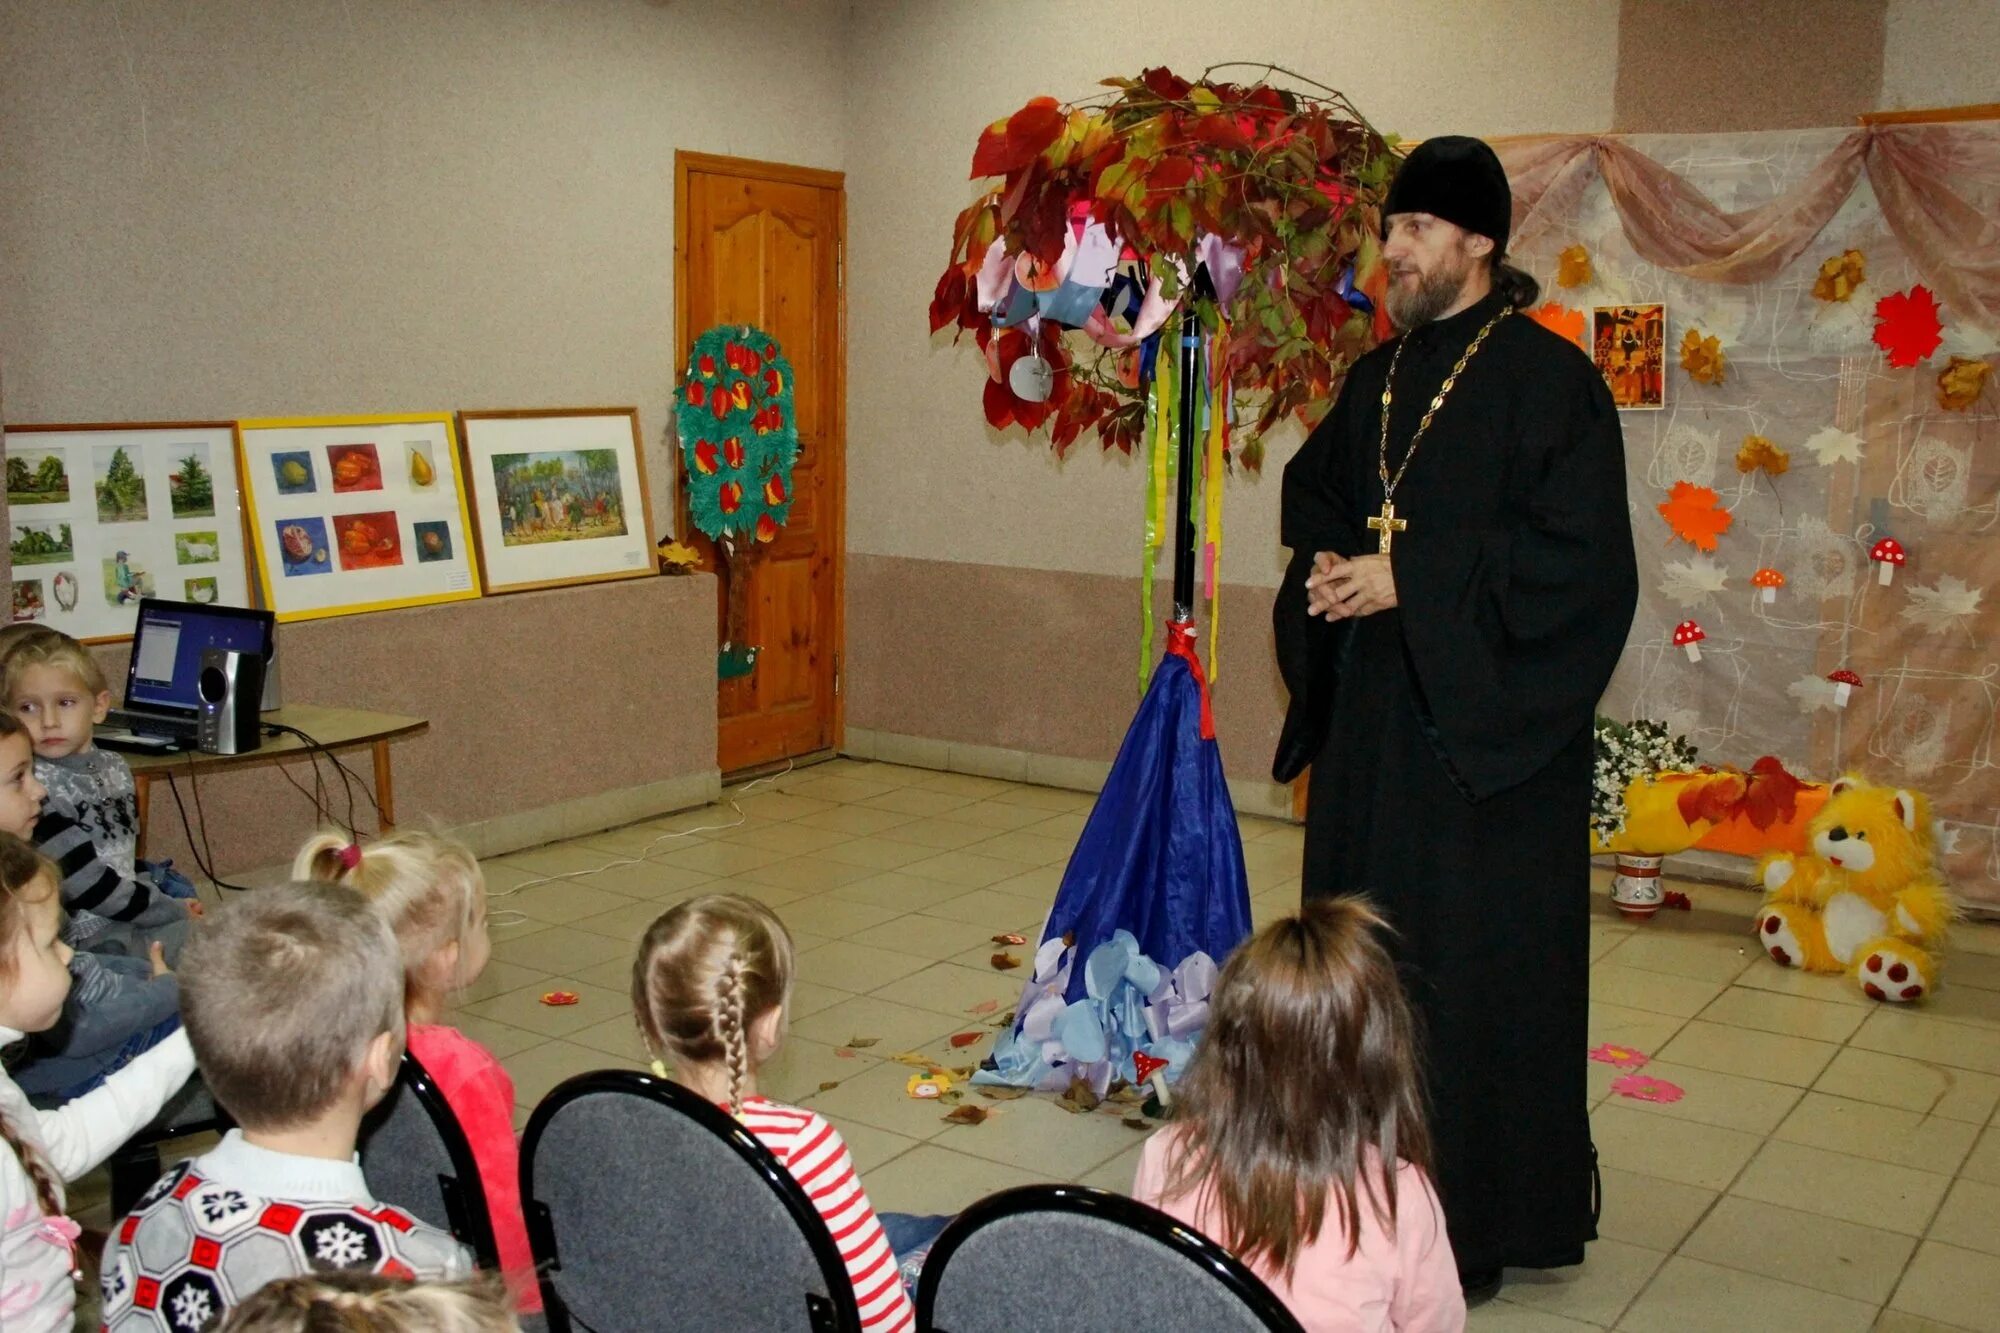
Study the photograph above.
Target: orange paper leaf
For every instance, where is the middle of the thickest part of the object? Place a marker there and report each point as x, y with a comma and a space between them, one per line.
1573, 267
1840, 275
968, 1115
1561, 319
1692, 513
1702, 358
1960, 383
1759, 454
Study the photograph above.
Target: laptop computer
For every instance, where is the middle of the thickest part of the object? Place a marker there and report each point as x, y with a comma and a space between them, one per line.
162, 701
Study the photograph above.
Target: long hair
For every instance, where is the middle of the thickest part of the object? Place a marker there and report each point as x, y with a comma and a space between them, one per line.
357, 1302
708, 969
428, 886
1517, 287
26, 876
1303, 1093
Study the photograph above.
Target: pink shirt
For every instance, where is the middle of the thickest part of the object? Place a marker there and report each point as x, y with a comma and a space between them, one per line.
481, 1095
1407, 1282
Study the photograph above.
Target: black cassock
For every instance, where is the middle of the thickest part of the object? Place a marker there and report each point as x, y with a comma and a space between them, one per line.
1450, 741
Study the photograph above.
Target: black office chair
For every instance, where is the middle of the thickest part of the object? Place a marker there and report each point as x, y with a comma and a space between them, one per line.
649, 1208
1089, 1252
136, 1165
416, 1156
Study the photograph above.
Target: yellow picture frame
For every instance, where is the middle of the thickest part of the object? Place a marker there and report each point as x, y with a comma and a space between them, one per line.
379, 585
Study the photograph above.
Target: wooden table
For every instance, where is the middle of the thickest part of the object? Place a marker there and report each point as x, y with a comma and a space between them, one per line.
335, 729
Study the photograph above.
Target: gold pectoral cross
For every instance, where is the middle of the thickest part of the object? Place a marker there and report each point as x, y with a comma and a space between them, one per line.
1388, 525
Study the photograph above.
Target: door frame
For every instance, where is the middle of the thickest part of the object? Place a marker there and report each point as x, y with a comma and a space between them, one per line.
685, 163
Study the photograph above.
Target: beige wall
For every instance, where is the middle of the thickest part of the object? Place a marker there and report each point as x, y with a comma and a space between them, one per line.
1940, 53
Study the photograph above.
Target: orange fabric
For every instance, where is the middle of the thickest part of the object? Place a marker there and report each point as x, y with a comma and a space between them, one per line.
1740, 837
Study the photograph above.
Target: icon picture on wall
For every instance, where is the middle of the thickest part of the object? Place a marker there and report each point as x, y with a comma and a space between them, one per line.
433, 541
42, 544
354, 467
302, 547
36, 477
368, 541
28, 603
190, 485
121, 487
293, 470
126, 580
197, 548
201, 590
422, 469
64, 588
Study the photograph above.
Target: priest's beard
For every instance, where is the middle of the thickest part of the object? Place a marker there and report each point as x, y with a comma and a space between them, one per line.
1434, 293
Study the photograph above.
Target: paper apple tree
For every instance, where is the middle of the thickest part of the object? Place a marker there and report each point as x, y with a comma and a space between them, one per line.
739, 441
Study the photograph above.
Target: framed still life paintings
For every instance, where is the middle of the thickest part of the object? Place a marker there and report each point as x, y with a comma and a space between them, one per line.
1629, 344
100, 516
360, 513
558, 496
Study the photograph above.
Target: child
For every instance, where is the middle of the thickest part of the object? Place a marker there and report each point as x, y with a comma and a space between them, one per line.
431, 890
293, 1001
90, 826
364, 1303
711, 986
117, 1006
1299, 1141
44, 1148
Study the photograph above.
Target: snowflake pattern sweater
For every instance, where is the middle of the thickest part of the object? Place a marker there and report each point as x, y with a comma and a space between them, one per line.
90, 829
215, 1229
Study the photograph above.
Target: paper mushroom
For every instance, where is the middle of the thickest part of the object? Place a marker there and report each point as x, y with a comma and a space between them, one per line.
1888, 553
1845, 683
1686, 635
1770, 580
1151, 1070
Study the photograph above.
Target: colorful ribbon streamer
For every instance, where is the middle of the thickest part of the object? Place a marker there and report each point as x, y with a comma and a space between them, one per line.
1217, 454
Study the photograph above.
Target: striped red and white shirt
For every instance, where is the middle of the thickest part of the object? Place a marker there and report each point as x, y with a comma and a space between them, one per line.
812, 1150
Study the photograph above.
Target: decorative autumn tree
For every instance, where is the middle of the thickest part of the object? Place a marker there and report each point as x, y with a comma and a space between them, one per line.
1291, 181
739, 440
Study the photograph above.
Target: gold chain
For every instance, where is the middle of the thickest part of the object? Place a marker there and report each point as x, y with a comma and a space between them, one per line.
1389, 483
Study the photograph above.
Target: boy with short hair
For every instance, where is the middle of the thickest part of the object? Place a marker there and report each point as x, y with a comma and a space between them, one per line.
293, 998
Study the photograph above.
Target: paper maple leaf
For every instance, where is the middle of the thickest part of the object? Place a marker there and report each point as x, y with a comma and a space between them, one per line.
1937, 607
1831, 444
1560, 319
1693, 580
1960, 383
1773, 793
1758, 453
1840, 275
1812, 692
1714, 797
1907, 326
1573, 267
1692, 514
1702, 358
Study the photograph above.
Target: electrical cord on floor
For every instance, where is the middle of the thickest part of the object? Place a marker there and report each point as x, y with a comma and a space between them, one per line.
204, 855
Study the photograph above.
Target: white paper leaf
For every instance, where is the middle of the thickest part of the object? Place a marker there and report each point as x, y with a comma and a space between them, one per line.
1947, 836
1812, 692
1692, 581
1944, 605
1683, 454
1831, 445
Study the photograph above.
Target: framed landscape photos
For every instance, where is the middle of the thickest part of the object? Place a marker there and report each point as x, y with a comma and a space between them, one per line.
362, 513
102, 515
1629, 344
558, 496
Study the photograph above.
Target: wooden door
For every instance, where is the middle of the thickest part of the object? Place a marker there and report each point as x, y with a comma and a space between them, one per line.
760, 243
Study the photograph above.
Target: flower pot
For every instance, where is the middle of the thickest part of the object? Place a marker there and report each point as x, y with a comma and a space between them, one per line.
1635, 889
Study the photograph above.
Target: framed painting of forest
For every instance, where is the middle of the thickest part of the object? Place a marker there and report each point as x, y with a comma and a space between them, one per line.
558, 496
104, 514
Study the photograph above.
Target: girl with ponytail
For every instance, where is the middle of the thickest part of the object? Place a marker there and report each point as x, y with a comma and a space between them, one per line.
711, 988
39, 1150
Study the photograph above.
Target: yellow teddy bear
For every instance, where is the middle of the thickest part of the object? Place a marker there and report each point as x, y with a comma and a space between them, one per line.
1866, 899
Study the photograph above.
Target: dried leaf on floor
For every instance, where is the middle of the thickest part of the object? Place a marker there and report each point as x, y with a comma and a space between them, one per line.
1005, 961
1125, 1094
914, 1059
965, 1038
996, 1093
1079, 1098
842, 1053
967, 1115
1005, 1020
1010, 938
1136, 1122
862, 1043
829, 1085
951, 1098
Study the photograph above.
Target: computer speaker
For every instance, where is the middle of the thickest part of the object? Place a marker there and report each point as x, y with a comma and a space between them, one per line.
231, 687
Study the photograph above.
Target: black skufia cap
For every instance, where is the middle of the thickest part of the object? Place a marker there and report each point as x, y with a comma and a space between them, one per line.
1456, 178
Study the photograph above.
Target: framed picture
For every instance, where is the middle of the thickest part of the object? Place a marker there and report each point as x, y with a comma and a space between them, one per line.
351, 514
558, 496
1629, 344
102, 515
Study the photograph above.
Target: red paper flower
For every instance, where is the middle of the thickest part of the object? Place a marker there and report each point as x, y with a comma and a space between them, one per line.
1642, 1088
1907, 326
1624, 1057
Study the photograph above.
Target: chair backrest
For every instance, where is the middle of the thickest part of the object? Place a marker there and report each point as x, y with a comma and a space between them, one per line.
416, 1156
649, 1208
1097, 1260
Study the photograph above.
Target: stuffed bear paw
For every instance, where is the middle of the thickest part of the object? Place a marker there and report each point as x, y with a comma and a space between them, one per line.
1778, 873
1777, 938
1894, 972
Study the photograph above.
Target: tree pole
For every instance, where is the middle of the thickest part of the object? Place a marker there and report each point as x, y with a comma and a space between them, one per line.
1184, 525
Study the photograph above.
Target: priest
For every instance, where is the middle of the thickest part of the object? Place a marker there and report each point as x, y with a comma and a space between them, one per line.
1460, 587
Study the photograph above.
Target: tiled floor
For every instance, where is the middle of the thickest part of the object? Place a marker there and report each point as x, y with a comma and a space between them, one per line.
1834, 1165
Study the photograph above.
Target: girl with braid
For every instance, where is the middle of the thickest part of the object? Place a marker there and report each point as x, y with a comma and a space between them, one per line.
41, 1149
711, 988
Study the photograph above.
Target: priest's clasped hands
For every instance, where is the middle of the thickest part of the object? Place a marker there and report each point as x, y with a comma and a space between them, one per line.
1339, 588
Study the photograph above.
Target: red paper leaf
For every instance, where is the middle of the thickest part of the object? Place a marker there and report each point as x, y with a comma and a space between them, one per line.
1907, 326
1692, 513
1714, 798
1773, 794
948, 299
1013, 143
962, 1039
985, 1007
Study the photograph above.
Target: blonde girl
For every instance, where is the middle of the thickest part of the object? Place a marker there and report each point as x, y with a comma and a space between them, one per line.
39, 1150
431, 890
353, 1301
1300, 1144
711, 988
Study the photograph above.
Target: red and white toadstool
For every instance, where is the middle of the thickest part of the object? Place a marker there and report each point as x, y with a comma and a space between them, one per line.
1845, 683
1770, 580
1149, 1069
1888, 553
1686, 635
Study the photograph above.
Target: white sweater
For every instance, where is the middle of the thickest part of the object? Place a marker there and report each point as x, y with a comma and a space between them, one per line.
36, 1294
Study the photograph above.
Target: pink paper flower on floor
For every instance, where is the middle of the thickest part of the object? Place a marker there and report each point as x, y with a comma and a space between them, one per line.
1622, 1056
1643, 1088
